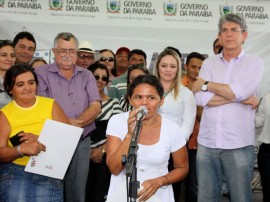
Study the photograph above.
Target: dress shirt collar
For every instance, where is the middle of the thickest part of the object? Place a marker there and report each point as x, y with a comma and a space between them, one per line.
55, 68
236, 59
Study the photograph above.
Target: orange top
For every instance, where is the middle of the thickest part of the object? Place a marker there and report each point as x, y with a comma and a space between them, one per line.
192, 142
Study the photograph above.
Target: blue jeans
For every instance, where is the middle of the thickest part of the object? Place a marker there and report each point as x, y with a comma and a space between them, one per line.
235, 164
76, 177
20, 186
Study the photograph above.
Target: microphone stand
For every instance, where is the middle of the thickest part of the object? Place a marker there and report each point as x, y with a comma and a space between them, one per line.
131, 170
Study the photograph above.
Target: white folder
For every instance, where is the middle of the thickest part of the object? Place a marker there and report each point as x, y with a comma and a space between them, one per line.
61, 141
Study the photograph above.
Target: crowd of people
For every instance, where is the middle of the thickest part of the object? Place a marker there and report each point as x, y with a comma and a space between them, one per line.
198, 132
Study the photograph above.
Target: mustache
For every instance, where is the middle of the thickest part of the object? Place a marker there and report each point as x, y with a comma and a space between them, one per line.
67, 58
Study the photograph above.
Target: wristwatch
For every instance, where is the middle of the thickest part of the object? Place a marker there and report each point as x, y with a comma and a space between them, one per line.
205, 86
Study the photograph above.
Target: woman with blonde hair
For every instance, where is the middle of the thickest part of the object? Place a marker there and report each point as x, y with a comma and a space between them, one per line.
179, 103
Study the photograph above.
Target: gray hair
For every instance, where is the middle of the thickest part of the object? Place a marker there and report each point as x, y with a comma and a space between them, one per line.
65, 36
231, 17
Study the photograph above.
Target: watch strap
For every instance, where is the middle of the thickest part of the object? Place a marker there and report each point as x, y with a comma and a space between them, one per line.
205, 86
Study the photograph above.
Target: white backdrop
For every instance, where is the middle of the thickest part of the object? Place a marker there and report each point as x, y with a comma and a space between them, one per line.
150, 25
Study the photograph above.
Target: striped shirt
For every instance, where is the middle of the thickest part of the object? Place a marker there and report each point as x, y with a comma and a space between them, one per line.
108, 109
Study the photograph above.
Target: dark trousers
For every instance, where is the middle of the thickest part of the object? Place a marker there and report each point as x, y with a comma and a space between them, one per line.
191, 183
264, 169
98, 181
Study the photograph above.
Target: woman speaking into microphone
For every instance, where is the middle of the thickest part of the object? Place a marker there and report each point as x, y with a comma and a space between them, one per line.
158, 138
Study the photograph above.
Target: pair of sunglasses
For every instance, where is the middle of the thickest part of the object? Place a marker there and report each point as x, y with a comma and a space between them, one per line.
109, 59
103, 78
83, 57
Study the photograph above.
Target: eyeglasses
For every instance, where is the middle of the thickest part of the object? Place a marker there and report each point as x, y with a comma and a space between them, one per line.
64, 52
83, 57
103, 78
109, 59
232, 30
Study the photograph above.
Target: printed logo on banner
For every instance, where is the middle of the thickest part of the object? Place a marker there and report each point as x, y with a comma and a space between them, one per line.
43, 54
225, 9
56, 5
113, 6
2, 3
170, 9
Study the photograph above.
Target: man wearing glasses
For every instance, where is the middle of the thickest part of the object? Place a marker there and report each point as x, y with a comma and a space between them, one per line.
75, 89
85, 55
226, 88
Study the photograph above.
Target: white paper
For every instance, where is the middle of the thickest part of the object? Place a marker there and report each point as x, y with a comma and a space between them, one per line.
61, 141
121, 195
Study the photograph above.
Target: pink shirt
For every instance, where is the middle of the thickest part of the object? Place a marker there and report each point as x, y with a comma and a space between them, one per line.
231, 125
74, 95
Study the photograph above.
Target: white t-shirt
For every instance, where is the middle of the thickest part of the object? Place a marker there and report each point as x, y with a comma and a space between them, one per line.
152, 160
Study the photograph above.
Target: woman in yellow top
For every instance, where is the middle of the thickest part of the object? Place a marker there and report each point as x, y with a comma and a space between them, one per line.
27, 112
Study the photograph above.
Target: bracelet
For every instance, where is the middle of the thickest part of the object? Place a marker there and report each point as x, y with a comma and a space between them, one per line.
165, 186
102, 150
128, 135
19, 151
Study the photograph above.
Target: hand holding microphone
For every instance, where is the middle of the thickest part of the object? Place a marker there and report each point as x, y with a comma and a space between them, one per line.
135, 116
140, 114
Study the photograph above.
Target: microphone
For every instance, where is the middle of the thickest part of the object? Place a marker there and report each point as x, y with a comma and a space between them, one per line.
142, 113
